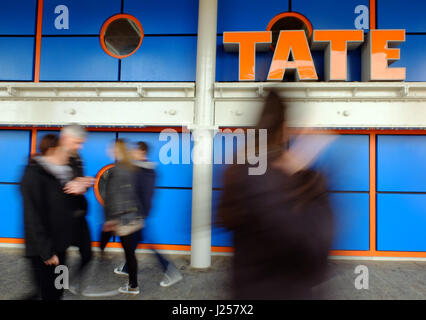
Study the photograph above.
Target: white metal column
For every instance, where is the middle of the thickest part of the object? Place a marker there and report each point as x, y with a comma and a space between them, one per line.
203, 133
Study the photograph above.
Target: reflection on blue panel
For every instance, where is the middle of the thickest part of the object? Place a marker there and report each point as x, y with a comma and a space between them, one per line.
401, 163
166, 16
76, 59
162, 59
18, 17
15, 148
94, 152
95, 215
16, 59
401, 14
170, 174
345, 162
412, 57
85, 17
330, 14
225, 145
401, 222
248, 15
351, 214
220, 237
227, 64
11, 213
170, 219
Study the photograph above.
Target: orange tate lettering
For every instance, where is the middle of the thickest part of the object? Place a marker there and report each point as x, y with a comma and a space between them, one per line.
292, 42
336, 44
247, 43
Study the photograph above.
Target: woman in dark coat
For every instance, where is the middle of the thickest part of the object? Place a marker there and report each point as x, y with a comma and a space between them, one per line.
281, 221
123, 216
47, 214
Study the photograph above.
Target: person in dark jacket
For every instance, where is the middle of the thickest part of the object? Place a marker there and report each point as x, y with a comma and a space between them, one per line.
281, 221
122, 212
145, 186
47, 215
72, 138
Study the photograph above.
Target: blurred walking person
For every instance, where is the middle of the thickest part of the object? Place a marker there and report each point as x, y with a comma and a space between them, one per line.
145, 184
72, 138
123, 216
47, 214
281, 221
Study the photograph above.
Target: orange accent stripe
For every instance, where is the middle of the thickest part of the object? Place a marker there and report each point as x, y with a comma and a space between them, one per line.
33, 141
290, 14
38, 41
397, 254
96, 185
12, 240
293, 131
143, 129
372, 193
372, 14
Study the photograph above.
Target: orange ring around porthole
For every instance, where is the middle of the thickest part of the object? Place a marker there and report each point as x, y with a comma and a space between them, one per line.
290, 14
108, 22
97, 178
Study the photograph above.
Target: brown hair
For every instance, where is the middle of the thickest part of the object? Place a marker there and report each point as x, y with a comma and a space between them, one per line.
49, 141
126, 158
273, 118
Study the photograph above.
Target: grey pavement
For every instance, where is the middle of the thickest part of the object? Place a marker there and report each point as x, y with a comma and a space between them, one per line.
388, 280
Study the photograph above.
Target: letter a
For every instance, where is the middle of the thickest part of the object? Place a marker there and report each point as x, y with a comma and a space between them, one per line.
62, 21
361, 281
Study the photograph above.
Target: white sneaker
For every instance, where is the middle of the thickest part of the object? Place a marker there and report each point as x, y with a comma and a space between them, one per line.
171, 276
119, 271
128, 290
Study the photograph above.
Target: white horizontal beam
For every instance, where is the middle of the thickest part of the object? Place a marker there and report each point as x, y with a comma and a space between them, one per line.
97, 104
326, 105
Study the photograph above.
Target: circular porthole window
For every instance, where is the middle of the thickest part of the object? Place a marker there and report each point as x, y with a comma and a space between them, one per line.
288, 21
100, 183
121, 36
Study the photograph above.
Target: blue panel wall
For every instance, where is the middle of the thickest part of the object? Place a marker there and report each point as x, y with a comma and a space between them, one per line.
329, 14
412, 57
162, 59
11, 212
76, 59
170, 219
351, 214
345, 162
401, 163
15, 146
400, 14
165, 17
85, 17
401, 222
18, 17
220, 237
168, 175
248, 15
16, 58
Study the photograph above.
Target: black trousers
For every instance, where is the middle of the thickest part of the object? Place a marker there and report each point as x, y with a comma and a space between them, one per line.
129, 250
81, 239
45, 277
